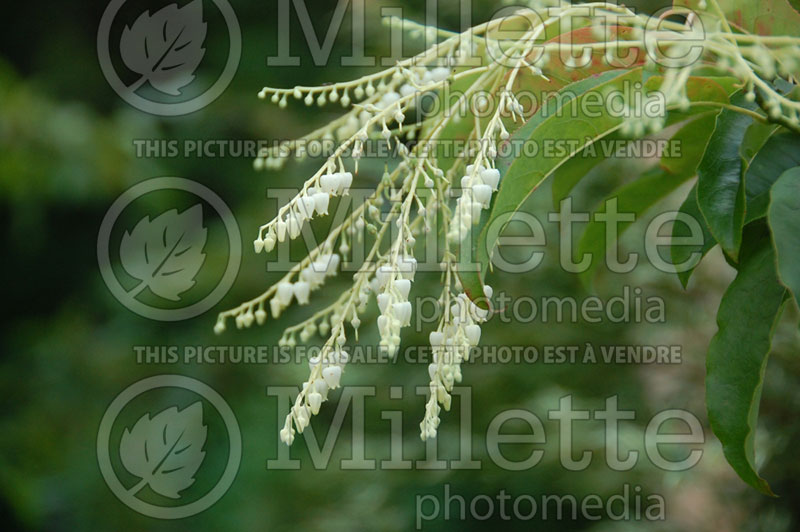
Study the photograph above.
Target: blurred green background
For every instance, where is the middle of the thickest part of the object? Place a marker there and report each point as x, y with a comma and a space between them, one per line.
67, 152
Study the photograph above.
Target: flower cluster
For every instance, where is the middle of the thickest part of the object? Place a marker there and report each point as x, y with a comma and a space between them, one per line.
458, 332
477, 186
326, 374
392, 287
314, 200
420, 187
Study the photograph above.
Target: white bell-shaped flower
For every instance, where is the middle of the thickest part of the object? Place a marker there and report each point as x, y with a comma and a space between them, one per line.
483, 194
315, 401
284, 293
473, 333
302, 290
491, 177
332, 376
321, 201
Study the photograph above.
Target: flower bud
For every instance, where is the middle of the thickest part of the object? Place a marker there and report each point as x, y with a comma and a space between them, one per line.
258, 245
315, 401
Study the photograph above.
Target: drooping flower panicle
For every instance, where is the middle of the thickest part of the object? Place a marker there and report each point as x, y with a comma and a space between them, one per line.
420, 189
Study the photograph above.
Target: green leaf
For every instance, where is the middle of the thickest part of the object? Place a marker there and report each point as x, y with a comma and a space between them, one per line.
720, 186
568, 175
638, 196
766, 154
737, 359
706, 89
683, 253
756, 136
784, 220
780, 153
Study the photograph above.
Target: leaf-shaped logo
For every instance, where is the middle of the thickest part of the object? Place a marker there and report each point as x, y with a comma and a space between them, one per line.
166, 451
165, 254
165, 48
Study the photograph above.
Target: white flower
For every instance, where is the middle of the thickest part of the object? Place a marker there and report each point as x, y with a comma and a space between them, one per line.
287, 435
301, 291
302, 417
402, 311
321, 387
312, 276
345, 181
440, 73
333, 265
483, 194
280, 226
293, 226
383, 302
384, 325
436, 338
329, 183
332, 376
491, 177
382, 275
404, 287
471, 167
340, 356
284, 293
275, 307
307, 206
473, 333
407, 90
387, 100
407, 267
321, 200
315, 401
